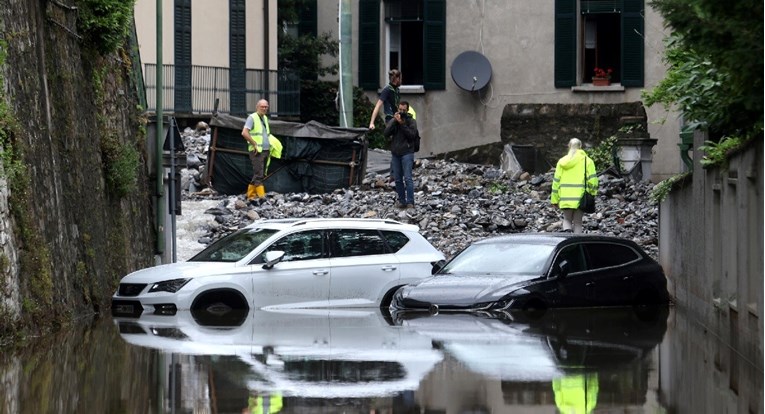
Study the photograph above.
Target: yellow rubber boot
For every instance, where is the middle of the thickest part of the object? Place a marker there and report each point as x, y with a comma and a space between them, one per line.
251, 192
260, 191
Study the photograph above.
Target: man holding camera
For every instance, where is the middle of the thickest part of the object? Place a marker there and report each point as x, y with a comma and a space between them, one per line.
402, 130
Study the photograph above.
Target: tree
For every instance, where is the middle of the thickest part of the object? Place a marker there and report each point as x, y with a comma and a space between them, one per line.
715, 59
303, 55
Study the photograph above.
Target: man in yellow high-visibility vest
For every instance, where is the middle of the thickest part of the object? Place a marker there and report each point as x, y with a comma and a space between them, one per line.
262, 146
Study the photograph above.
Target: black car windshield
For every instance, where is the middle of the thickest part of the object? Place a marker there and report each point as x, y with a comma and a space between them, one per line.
233, 247
500, 258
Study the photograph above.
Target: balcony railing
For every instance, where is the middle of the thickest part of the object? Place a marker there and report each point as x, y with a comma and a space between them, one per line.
195, 89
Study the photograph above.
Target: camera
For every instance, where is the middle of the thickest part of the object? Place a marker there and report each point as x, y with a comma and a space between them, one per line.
403, 114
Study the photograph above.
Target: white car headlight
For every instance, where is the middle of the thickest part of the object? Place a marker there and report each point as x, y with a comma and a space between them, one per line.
171, 286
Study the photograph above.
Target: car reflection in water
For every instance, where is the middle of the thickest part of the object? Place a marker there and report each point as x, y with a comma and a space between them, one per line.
290, 354
360, 359
576, 359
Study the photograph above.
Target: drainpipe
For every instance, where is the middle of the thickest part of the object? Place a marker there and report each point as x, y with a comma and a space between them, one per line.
346, 79
158, 137
266, 47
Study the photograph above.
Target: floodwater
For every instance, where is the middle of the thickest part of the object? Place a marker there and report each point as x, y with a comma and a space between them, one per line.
362, 361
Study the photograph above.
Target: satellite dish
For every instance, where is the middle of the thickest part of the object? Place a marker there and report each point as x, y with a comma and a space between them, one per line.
471, 71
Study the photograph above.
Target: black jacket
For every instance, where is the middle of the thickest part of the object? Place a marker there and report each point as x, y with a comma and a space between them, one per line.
403, 135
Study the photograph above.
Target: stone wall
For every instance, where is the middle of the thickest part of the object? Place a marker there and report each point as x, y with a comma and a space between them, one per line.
72, 236
545, 129
711, 244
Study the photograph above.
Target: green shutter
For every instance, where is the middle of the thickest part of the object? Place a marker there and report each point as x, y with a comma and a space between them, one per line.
565, 43
633, 59
369, 44
182, 86
434, 49
237, 57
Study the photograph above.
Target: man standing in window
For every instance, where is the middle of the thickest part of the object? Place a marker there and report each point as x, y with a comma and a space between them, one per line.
262, 146
388, 99
402, 129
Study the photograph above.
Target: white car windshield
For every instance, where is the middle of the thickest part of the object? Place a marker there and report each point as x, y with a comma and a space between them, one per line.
500, 258
234, 247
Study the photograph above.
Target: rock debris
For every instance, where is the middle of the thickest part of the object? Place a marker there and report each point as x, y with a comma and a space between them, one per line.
456, 203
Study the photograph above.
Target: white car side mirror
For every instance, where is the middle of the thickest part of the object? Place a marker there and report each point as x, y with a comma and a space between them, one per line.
272, 258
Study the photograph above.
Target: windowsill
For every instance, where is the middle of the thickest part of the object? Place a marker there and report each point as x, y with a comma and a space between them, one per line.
411, 89
588, 87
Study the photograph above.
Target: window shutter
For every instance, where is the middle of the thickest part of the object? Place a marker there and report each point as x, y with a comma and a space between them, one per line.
182, 85
565, 43
632, 43
237, 55
434, 49
369, 44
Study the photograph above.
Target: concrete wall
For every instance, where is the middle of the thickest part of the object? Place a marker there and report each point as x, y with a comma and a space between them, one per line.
517, 38
711, 244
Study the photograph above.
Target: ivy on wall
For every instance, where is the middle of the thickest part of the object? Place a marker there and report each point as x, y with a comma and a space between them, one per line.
105, 24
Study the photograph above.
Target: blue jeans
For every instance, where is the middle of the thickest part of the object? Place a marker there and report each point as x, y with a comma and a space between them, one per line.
401, 166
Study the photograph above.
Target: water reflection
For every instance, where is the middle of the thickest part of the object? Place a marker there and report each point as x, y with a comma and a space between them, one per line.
362, 362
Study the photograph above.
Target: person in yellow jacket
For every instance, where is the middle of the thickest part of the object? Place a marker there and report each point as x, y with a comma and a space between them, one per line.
262, 146
264, 404
576, 394
570, 183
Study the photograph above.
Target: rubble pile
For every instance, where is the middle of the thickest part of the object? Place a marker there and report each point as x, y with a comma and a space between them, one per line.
456, 203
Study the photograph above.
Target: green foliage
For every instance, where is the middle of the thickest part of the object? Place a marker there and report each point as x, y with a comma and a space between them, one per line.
317, 102
11, 166
716, 153
699, 90
105, 24
303, 54
362, 111
715, 59
662, 189
497, 187
121, 166
602, 155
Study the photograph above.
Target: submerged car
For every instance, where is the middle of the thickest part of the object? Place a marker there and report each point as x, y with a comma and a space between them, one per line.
539, 271
286, 263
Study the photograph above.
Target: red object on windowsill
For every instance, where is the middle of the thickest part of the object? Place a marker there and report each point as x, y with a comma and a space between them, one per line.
600, 81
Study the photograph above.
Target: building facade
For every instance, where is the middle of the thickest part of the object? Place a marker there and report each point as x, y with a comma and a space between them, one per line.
541, 53
214, 50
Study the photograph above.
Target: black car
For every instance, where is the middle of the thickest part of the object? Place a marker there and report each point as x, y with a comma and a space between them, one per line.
539, 271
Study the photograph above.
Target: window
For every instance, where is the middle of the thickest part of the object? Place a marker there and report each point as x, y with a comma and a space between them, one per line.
233, 247
414, 32
351, 242
572, 254
396, 241
599, 33
305, 245
602, 255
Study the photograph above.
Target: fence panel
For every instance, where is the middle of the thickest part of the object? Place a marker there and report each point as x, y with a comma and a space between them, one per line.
208, 83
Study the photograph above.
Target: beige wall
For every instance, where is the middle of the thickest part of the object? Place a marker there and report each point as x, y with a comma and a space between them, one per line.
517, 37
210, 32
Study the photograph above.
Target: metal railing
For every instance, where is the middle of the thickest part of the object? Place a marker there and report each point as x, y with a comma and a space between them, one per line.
206, 84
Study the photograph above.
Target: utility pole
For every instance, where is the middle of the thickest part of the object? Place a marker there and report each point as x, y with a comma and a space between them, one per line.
346, 77
159, 136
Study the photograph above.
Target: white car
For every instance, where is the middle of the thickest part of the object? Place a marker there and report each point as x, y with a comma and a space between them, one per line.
287, 263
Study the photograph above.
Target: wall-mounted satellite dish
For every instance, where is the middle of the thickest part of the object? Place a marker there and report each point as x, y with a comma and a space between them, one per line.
471, 71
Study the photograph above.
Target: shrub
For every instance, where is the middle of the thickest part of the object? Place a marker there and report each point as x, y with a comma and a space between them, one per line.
105, 23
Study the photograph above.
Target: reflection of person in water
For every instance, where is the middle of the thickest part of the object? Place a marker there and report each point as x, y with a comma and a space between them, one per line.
576, 394
263, 404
